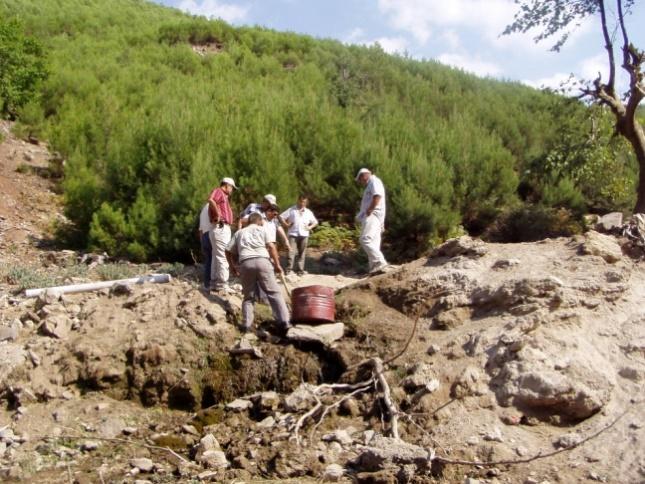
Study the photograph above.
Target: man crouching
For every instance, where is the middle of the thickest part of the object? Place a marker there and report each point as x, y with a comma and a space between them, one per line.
250, 254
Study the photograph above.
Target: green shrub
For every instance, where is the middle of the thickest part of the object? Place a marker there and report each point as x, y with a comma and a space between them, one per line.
534, 222
340, 238
22, 67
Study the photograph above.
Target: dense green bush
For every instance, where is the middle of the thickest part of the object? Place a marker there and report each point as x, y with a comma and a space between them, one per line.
148, 127
22, 67
534, 222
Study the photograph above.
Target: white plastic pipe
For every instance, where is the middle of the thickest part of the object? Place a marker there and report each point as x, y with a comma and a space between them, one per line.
94, 286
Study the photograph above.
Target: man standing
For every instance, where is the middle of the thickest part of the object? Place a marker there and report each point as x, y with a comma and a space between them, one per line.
372, 218
251, 254
300, 221
221, 216
261, 208
205, 228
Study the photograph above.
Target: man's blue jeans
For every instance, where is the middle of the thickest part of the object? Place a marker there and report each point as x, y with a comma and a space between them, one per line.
207, 250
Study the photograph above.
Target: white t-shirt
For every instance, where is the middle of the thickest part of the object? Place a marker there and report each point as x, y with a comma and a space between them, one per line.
205, 224
299, 220
374, 187
250, 242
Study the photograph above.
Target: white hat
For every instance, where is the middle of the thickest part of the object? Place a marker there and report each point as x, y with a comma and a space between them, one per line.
360, 172
270, 198
228, 181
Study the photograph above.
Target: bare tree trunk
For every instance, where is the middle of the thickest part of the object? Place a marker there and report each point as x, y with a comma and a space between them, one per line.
639, 148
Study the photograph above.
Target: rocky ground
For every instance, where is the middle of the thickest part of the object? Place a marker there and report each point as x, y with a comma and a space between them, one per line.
492, 354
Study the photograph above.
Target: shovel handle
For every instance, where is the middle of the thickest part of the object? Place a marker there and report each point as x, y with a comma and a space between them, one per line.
286, 286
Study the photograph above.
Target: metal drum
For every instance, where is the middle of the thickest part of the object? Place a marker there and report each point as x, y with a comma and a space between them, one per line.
313, 304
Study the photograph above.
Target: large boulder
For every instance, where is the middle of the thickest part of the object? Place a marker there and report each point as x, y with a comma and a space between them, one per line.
550, 376
602, 245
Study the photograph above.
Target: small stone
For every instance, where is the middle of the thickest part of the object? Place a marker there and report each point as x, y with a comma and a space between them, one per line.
521, 451
333, 473
129, 430
189, 429
214, 459
142, 463
340, 436
494, 436
368, 435
567, 440
209, 442
8, 333
433, 349
473, 440
267, 423
89, 446
101, 406
239, 405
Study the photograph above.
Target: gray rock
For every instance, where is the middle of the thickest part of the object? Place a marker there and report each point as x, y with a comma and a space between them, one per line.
340, 436
239, 405
267, 423
567, 440
208, 442
494, 435
384, 451
610, 221
324, 334
433, 350
56, 326
469, 383
506, 263
452, 318
465, 245
142, 463
604, 246
420, 377
333, 473
110, 427
89, 445
8, 333
268, 402
245, 347
300, 399
213, 459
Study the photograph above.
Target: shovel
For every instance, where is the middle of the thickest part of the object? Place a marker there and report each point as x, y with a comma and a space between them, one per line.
286, 286
288, 289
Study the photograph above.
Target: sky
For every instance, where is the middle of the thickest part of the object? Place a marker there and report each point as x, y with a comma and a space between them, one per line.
461, 33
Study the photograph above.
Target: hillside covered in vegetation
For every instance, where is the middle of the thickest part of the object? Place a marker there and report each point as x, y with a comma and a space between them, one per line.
151, 107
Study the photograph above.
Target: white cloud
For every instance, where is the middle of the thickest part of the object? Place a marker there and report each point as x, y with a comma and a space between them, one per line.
590, 68
214, 9
354, 36
451, 38
556, 81
482, 19
474, 65
391, 45
422, 17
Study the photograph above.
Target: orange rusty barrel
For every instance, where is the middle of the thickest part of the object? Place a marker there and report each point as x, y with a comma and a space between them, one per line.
313, 304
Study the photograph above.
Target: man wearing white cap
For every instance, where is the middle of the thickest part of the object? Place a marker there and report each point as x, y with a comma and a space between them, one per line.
372, 218
221, 217
268, 201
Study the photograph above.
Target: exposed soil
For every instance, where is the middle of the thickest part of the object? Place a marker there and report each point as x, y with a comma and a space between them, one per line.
519, 349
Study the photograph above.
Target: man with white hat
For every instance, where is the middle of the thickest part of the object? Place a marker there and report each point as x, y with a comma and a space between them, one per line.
372, 218
221, 217
268, 201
